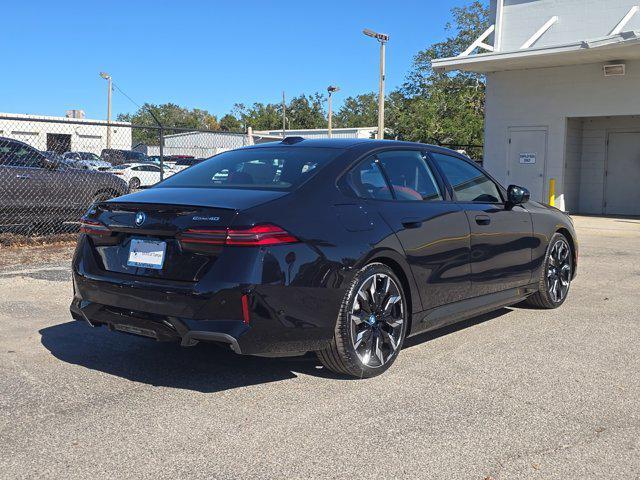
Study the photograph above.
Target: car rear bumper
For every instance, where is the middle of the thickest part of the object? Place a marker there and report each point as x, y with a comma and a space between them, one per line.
283, 319
168, 329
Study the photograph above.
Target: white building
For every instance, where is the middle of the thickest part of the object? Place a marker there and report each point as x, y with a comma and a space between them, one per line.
204, 144
62, 134
355, 132
563, 100
207, 144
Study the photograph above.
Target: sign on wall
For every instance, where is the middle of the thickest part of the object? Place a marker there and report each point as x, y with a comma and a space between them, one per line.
528, 158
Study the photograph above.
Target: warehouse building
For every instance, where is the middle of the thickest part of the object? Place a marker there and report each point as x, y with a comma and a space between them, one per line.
562, 100
64, 134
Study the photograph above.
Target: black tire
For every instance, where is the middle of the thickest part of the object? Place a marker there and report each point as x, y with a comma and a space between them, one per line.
546, 297
134, 183
341, 356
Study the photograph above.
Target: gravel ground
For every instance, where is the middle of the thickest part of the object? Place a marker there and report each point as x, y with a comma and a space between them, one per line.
520, 393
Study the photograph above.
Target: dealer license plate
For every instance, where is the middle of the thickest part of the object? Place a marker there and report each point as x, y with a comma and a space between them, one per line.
146, 253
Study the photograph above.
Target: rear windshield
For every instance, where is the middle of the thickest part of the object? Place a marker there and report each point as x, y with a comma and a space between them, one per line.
255, 168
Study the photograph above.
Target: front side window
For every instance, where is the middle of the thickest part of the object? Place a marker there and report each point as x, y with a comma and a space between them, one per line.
409, 175
469, 183
254, 168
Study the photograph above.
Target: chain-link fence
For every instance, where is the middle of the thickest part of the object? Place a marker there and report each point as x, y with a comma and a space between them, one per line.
52, 170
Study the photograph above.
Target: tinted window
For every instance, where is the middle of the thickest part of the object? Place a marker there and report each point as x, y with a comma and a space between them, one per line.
469, 183
410, 176
255, 168
367, 180
18, 155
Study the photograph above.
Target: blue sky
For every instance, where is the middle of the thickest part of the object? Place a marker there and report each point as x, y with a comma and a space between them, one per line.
205, 54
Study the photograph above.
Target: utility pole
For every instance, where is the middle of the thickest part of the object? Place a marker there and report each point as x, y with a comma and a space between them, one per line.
284, 116
331, 89
383, 38
107, 77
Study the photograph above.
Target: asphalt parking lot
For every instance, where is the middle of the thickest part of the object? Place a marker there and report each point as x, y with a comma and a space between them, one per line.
520, 393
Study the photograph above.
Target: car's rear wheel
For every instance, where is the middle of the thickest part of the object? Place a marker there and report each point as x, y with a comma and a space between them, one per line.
555, 279
371, 325
134, 183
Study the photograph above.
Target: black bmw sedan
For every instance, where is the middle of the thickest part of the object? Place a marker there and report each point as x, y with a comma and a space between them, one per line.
342, 247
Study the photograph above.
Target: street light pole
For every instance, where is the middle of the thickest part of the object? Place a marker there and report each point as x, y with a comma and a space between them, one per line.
107, 77
383, 38
381, 93
331, 89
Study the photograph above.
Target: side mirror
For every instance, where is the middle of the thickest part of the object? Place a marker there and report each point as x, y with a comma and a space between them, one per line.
517, 195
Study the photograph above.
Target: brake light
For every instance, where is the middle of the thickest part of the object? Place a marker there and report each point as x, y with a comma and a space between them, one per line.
258, 235
93, 227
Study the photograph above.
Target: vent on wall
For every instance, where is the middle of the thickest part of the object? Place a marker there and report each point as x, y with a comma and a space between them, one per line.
614, 69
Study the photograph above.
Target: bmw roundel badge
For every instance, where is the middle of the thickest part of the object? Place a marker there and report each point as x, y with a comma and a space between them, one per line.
140, 218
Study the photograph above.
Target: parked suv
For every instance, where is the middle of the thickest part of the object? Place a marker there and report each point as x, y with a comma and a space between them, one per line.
37, 189
118, 157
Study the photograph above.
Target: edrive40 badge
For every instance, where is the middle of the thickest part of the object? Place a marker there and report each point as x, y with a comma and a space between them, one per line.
140, 218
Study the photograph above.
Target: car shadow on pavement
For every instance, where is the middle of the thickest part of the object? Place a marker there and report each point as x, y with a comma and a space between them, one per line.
204, 368
440, 332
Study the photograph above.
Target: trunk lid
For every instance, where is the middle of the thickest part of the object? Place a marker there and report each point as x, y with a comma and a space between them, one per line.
163, 214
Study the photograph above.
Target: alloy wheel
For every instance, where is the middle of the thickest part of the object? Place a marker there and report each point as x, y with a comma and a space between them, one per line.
559, 271
377, 319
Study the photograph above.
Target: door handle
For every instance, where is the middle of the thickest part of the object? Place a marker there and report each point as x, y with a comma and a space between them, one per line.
23, 177
483, 220
411, 223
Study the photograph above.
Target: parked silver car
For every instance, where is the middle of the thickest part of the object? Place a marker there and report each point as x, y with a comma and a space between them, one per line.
87, 161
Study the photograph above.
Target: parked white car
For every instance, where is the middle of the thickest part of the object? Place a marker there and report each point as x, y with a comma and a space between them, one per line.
138, 175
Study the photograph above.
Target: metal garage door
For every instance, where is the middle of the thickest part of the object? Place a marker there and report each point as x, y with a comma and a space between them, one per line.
527, 152
622, 175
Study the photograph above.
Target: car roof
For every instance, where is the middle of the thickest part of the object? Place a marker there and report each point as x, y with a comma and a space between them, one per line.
7, 139
342, 143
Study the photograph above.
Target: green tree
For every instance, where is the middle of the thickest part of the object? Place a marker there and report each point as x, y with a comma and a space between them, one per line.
170, 116
229, 123
358, 111
259, 116
304, 111
440, 107
307, 111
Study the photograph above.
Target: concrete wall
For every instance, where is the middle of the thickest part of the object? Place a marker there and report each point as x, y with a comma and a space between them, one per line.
547, 97
578, 20
573, 159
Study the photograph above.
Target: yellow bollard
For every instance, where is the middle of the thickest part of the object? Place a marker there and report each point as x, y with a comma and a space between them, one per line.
552, 192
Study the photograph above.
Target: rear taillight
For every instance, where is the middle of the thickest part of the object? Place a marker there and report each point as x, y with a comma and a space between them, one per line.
93, 227
259, 235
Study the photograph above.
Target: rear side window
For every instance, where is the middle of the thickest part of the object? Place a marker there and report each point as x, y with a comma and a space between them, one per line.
469, 183
254, 168
410, 176
18, 155
368, 182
